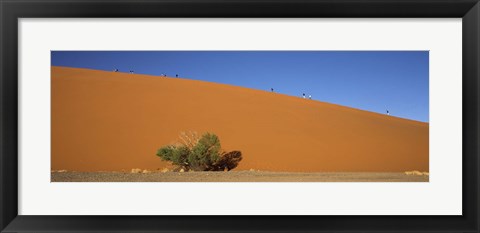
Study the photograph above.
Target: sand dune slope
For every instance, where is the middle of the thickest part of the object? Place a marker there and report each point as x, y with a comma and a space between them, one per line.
105, 121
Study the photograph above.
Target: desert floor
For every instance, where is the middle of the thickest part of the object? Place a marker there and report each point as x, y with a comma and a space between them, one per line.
236, 176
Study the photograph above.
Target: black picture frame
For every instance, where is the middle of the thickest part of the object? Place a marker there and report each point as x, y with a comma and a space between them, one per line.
11, 11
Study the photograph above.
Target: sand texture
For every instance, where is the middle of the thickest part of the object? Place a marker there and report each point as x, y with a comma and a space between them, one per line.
108, 121
237, 176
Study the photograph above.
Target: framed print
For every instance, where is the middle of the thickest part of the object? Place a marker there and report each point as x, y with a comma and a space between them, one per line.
383, 146
318, 116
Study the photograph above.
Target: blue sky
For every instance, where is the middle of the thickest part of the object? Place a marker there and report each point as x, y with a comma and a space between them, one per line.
369, 80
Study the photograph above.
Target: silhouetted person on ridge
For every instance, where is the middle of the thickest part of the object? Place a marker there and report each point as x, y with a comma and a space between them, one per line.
271, 89
310, 97
176, 75
304, 95
388, 113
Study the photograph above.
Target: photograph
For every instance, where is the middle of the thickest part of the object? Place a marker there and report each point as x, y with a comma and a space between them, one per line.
239, 116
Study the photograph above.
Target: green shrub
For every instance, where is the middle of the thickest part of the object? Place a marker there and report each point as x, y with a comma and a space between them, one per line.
205, 153
199, 154
178, 155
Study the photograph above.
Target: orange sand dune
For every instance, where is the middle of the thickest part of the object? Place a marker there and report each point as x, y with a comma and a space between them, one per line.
103, 121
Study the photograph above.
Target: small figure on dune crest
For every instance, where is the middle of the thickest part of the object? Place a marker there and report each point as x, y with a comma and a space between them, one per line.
131, 71
388, 113
176, 75
309, 97
194, 153
304, 95
271, 89
115, 70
